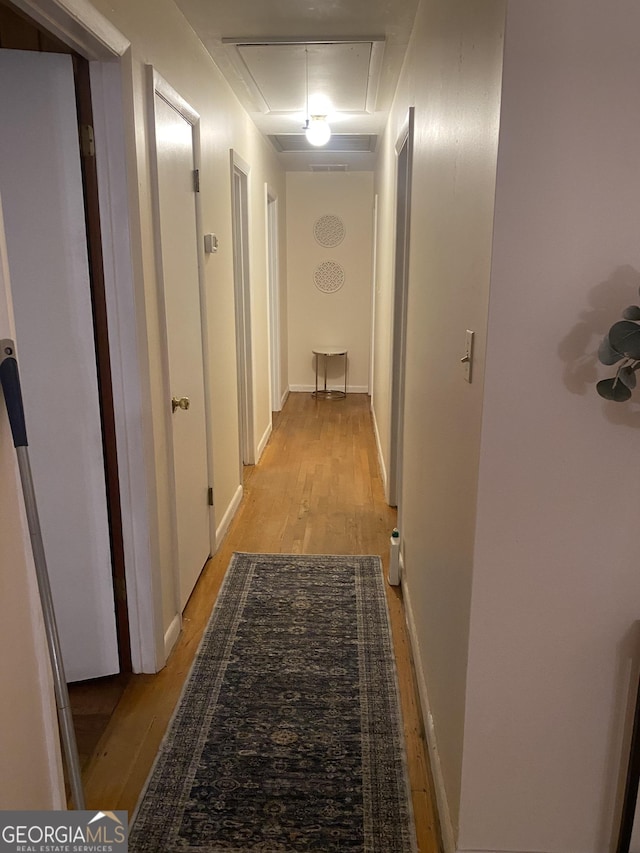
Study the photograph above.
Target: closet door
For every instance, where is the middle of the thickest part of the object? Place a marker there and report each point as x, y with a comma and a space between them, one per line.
41, 188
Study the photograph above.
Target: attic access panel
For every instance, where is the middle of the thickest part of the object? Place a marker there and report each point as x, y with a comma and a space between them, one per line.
346, 73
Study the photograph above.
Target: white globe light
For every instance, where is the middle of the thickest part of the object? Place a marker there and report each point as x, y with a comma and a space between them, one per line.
318, 132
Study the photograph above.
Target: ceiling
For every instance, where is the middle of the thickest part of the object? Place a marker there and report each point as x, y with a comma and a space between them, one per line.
350, 50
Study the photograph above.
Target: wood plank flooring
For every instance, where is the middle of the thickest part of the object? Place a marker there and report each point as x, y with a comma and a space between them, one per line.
92, 705
317, 489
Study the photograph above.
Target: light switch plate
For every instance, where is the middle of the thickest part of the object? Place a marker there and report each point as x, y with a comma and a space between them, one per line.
467, 360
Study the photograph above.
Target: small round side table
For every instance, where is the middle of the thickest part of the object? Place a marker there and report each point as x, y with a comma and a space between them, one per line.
327, 353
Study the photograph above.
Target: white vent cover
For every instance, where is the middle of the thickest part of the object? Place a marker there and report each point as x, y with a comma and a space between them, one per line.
328, 167
346, 143
329, 230
328, 277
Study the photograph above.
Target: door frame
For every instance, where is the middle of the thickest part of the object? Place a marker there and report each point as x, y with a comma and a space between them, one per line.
82, 78
84, 110
374, 278
74, 457
82, 27
273, 278
404, 143
158, 86
242, 298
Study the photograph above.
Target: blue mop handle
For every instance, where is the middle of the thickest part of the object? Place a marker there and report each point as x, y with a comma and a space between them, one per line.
10, 381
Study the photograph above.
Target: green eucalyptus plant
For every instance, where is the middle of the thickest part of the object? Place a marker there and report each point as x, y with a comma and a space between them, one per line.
621, 346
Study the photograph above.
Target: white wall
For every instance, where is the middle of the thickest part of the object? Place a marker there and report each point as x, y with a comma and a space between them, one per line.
160, 36
343, 318
556, 582
452, 76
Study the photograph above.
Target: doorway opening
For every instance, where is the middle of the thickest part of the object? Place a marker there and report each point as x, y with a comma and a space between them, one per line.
242, 292
274, 303
20, 35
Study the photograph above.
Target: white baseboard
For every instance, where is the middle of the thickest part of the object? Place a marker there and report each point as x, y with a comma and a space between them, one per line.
351, 389
227, 518
171, 635
383, 470
284, 398
446, 827
263, 441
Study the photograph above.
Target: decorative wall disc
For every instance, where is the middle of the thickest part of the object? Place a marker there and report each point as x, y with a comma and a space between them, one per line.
328, 277
329, 230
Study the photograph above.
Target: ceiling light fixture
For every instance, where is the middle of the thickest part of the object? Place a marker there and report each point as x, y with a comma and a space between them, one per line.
316, 127
317, 130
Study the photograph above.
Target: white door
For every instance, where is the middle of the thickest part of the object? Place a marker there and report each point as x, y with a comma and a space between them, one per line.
181, 282
41, 188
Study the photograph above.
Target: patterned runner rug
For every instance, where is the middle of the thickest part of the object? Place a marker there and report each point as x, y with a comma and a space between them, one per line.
288, 735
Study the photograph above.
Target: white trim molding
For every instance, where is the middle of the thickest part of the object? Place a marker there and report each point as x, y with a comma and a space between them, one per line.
174, 99
172, 633
264, 440
127, 339
383, 468
228, 517
444, 814
78, 24
351, 389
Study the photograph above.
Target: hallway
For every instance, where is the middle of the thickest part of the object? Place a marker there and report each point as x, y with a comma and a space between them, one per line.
316, 489
517, 502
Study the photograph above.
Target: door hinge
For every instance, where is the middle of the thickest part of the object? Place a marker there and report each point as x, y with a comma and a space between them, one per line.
196, 180
87, 141
210, 496
120, 589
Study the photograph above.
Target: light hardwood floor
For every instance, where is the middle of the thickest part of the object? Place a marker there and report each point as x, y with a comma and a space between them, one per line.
317, 489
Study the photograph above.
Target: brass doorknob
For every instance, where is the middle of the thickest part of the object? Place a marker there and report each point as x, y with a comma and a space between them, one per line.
179, 403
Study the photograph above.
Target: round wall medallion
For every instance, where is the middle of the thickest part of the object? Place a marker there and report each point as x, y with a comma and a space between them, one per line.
328, 277
329, 230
